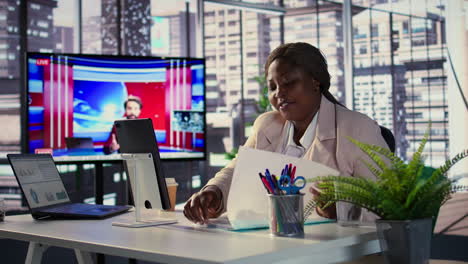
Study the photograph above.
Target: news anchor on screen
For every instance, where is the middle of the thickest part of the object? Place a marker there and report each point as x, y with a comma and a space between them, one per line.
308, 122
132, 106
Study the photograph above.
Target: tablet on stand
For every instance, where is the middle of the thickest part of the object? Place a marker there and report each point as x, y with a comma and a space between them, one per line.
145, 190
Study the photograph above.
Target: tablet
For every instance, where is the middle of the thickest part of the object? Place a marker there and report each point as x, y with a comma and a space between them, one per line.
137, 136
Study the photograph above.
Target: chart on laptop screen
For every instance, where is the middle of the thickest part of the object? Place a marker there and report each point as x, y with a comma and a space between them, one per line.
40, 181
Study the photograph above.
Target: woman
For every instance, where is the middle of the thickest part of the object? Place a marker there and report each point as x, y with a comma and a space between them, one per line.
308, 122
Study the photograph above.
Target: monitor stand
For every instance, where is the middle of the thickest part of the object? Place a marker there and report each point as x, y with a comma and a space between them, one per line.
145, 190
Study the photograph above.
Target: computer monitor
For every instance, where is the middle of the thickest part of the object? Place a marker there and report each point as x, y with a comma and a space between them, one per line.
75, 95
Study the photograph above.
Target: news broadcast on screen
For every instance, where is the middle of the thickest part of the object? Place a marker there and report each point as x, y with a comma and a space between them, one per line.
80, 96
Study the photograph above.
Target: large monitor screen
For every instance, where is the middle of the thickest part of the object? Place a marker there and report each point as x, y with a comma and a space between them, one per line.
80, 96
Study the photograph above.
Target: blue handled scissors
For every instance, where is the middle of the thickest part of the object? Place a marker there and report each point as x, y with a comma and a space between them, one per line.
289, 186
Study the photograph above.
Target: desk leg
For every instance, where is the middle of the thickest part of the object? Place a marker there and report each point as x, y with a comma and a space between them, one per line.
99, 195
99, 183
83, 257
35, 252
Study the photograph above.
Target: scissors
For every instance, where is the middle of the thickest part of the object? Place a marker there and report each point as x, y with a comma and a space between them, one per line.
289, 186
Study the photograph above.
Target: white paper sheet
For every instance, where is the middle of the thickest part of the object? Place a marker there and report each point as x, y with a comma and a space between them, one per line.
247, 205
149, 217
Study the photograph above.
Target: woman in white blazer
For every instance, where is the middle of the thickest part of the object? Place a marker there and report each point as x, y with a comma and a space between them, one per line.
307, 122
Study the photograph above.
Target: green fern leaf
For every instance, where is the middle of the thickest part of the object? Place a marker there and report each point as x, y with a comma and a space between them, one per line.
358, 182
395, 160
417, 162
421, 187
430, 201
309, 208
368, 151
377, 173
437, 176
449, 163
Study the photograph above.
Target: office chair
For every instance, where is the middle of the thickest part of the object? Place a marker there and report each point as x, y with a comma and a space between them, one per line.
388, 137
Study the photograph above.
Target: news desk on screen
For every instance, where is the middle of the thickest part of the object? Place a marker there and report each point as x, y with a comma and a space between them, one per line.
73, 95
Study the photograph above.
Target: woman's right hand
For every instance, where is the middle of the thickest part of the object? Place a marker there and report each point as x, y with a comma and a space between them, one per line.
204, 205
330, 211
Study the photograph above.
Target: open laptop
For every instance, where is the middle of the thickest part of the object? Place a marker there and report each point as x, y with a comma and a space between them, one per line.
80, 146
45, 193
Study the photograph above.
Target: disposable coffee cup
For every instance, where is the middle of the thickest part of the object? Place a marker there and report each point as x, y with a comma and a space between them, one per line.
286, 216
172, 190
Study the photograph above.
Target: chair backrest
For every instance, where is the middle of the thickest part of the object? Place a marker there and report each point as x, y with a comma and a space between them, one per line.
388, 137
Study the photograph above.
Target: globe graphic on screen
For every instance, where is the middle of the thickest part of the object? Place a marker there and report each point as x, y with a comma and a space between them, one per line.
97, 105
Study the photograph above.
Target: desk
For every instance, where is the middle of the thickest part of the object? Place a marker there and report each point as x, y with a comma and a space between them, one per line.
187, 243
98, 162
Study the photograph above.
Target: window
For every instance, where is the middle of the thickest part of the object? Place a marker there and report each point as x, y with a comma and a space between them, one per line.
168, 28
405, 27
96, 39
375, 30
417, 77
251, 54
375, 47
9, 41
53, 27
363, 49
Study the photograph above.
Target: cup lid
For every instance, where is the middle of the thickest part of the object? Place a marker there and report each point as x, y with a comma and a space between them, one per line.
170, 181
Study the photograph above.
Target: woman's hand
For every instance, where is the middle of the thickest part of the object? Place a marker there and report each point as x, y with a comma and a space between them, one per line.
330, 211
204, 205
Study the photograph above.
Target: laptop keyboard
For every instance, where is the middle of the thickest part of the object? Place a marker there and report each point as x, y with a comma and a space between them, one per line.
77, 208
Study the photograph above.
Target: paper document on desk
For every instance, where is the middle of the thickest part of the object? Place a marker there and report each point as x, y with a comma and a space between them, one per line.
247, 205
149, 217
223, 223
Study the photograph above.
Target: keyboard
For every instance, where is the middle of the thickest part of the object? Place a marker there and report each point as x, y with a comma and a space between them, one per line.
78, 207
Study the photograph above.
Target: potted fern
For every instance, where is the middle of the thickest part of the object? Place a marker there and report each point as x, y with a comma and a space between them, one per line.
406, 197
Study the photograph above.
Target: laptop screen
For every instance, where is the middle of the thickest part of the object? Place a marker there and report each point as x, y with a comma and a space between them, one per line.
79, 143
39, 179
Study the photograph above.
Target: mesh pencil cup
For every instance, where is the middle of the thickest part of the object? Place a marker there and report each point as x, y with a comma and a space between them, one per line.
286, 215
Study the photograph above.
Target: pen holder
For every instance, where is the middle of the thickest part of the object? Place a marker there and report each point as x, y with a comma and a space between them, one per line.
286, 215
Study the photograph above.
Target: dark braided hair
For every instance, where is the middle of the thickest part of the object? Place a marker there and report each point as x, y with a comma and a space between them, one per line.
307, 58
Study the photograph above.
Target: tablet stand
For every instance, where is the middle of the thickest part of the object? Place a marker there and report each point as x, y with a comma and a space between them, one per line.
145, 190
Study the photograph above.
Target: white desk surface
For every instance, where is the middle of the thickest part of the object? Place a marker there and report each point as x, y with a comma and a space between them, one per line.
188, 243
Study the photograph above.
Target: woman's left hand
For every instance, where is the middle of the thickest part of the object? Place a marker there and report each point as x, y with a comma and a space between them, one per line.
330, 211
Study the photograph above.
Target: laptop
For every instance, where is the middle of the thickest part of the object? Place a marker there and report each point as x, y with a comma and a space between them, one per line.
137, 136
45, 193
80, 146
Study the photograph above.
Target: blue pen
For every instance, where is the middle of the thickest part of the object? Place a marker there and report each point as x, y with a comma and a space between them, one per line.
284, 173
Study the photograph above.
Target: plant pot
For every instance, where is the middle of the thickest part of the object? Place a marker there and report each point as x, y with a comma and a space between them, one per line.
407, 241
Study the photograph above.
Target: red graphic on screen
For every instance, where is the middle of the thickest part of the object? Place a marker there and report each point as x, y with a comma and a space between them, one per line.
58, 105
42, 62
